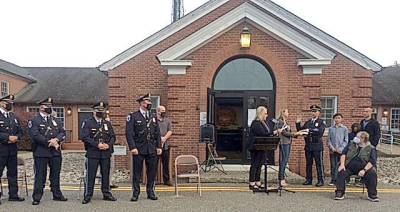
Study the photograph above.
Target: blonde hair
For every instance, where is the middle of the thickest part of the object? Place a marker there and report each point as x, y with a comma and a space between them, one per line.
281, 113
259, 111
364, 136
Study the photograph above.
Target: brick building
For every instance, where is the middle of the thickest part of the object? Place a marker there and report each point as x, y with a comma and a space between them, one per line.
198, 69
74, 91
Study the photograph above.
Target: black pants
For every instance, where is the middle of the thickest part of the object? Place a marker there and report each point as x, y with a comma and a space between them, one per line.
40, 168
10, 162
165, 164
257, 160
151, 169
318, 157
91, 170
370, 178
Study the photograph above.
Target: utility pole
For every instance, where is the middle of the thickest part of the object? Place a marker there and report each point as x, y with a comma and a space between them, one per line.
177, 10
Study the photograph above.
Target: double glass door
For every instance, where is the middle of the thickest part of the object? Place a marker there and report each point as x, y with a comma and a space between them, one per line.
232, 114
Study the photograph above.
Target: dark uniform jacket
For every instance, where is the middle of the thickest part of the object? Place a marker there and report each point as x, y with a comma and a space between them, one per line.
94, 133
314, 138
258, 129
142, 134
373, 129
9, 126
41, 132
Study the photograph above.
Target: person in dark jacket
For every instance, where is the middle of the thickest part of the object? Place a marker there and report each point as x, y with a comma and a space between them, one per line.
10, 133
260, 127
99, 138
144, 140
314, 146
46, 134
371, 126
355, 128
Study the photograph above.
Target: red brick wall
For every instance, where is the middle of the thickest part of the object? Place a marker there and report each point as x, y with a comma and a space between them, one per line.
186, 95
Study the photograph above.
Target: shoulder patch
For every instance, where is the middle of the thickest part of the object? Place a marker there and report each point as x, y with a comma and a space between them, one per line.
30, 124
128, 118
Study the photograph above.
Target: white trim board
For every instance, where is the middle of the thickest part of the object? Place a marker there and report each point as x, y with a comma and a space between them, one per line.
266, 22
267, 5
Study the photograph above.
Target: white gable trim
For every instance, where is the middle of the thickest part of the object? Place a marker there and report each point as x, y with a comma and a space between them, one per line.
265, 22
318, 34
265, 4
162, 34
229, 20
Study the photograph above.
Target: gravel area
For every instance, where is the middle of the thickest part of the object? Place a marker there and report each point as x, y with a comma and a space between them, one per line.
73, 164
389, 170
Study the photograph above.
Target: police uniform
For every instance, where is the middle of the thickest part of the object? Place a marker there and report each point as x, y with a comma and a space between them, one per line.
9, 126
42, 128
314, 147
143, 134
95, 131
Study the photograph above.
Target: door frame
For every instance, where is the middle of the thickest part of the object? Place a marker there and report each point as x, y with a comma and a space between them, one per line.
245, 96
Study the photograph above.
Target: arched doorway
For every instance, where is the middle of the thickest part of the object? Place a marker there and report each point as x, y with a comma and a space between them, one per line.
240, 85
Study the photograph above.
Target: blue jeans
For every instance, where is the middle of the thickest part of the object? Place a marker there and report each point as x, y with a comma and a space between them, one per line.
335, 159
284, 159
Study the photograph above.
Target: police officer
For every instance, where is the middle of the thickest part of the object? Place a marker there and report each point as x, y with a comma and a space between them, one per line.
99, 138
46, 134
10, 133
144, 139
314, 146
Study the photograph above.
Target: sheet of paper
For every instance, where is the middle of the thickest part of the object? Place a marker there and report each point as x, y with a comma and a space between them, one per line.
251, 115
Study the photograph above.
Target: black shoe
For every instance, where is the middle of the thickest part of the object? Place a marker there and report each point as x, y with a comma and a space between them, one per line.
16, 199
373, 198
152, 197
61, 199
85, 201
113, 186
339, 195
319, 184
168, 183
109, 198
307, 183
35, 202
134, 199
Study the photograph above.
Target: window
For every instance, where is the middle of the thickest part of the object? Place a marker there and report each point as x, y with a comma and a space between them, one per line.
329, 108
244, 74
5, 88
395, 120
59, 113
155, 100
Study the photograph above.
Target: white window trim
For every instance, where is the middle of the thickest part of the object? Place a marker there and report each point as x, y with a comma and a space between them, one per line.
335, 103
391, 117
8, 87
158, 101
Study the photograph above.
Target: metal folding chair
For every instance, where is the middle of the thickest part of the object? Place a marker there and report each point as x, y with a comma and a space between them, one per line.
187, 160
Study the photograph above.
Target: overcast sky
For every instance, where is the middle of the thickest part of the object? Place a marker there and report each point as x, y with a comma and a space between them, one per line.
89, 32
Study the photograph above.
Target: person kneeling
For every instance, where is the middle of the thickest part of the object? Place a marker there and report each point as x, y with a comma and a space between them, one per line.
358, 157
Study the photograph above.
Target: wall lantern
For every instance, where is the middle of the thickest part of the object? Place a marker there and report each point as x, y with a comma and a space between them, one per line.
69, 111
385, 113
245, 38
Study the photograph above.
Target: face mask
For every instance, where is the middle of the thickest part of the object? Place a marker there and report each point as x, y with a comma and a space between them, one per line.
9, 106
148, 106
48, 110
163, 114
356, 140
99, 114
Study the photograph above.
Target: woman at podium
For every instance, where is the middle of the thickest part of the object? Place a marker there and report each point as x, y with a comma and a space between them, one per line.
260, 127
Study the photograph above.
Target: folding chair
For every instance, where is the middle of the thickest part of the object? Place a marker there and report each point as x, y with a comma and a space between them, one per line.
213, 160
187, 160
23, 178
83, 177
